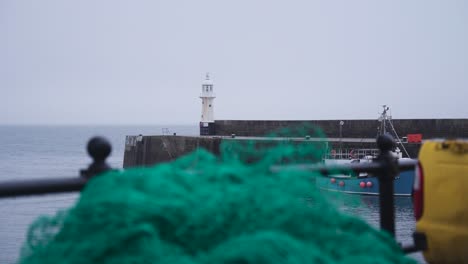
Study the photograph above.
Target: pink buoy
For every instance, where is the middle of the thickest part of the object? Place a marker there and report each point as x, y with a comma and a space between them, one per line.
341, 183
333, 180
362, 184
369, 184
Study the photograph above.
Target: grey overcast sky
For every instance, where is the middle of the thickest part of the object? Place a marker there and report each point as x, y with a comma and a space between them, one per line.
142, 62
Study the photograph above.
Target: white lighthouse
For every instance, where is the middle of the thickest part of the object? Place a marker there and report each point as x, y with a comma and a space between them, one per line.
207, 125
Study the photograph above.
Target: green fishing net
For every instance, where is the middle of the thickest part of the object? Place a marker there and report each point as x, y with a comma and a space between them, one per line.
233, 208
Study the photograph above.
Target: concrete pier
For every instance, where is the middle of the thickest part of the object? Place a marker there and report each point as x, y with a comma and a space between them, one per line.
148, 150
356, 134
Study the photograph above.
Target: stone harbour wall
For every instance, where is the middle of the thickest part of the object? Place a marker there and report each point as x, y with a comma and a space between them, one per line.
429, 128
148, 150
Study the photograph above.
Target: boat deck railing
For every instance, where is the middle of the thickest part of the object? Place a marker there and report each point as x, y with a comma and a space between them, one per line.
385, 166
351, 153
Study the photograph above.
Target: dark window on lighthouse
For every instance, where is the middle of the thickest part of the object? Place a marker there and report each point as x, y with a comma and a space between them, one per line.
210, 105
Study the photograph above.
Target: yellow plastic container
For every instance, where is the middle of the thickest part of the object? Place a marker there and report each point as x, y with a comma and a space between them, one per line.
444, 220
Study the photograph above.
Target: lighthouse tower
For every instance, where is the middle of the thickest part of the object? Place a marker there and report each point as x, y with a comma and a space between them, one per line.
207, 125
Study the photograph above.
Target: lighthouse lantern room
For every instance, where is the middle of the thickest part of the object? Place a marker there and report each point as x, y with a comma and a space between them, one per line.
207, 124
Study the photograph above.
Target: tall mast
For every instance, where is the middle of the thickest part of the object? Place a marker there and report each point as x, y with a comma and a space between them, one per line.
384, 117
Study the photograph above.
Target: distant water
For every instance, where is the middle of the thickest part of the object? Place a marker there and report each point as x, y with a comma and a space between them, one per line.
28, 152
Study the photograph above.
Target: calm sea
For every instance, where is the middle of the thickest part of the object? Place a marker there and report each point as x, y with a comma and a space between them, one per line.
28, 152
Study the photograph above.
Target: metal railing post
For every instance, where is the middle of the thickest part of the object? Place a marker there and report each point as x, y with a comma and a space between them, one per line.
386, 179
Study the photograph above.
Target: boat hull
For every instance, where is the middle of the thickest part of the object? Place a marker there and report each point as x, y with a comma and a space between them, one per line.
403, 184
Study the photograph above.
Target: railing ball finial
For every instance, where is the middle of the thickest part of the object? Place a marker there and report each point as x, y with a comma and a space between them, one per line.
99, 149
385, 143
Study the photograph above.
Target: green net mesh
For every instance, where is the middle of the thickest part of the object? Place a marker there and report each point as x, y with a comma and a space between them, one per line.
205, 209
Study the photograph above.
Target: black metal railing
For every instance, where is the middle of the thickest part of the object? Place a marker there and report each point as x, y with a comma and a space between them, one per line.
98, 148
386, 166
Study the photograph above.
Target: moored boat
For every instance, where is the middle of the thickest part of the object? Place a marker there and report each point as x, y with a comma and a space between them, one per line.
363, 183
